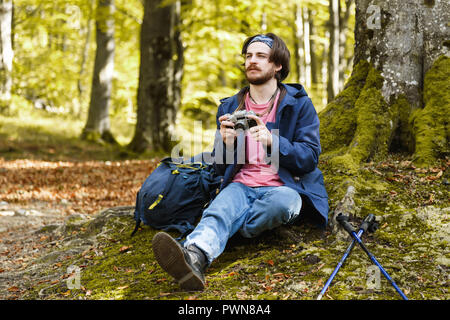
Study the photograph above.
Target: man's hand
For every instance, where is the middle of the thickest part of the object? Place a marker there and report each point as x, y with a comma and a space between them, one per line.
260, 132
227, 130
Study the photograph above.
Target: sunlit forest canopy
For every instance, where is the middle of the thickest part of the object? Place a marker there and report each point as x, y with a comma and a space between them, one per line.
54, 48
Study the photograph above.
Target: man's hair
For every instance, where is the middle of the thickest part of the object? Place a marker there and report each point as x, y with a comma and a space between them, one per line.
279, 54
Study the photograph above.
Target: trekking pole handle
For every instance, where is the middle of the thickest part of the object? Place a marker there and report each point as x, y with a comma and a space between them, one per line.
370, 219
343, 221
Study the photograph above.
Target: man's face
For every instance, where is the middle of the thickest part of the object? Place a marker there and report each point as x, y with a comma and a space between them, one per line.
258, 68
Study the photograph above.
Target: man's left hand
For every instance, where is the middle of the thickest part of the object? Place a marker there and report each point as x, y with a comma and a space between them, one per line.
260, 132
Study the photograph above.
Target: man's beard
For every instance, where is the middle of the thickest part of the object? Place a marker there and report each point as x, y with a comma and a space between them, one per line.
260, 79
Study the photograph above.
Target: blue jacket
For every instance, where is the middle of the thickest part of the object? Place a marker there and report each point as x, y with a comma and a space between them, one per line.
299, 148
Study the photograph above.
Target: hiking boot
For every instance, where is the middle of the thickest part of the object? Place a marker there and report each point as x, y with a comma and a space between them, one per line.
186, 265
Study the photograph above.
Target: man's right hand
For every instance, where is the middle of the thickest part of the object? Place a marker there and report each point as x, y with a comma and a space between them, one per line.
227, 130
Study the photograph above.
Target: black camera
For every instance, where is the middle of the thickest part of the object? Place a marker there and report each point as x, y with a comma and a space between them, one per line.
241, 119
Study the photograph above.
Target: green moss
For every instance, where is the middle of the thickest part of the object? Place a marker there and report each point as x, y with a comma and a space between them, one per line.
373, 122
338, 120
374, 125
430, 124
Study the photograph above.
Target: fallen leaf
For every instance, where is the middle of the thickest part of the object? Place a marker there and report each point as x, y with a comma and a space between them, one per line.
13, 289
437, 176
67, 293
268, 288
377, 172
125, 249
122, 288
270, 262
405, 163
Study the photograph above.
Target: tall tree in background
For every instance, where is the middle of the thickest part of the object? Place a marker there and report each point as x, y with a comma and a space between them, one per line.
345, 58
333, 53
6, 53
98, 123
398, 97
84, 56
160, 74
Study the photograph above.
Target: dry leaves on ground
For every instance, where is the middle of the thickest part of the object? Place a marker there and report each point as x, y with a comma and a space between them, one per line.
83, 187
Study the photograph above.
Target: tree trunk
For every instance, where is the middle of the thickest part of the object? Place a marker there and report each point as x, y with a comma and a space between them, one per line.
98, 125
333, 53
312, 46
84, 59
6, 54
398, 96
298, 44
343, 47
306, 47
160, 74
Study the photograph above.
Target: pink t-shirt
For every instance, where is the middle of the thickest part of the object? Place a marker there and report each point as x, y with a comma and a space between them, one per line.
255, 172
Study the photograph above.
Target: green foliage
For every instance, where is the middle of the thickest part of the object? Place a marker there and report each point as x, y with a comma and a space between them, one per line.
50, 41
54, 47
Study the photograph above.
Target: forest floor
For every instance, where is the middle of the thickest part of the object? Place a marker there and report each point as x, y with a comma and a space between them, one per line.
61, 208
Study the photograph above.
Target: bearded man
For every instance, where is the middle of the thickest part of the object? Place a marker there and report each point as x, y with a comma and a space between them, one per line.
258, 193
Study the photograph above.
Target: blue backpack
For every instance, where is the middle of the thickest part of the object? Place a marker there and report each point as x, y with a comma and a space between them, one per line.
175, 194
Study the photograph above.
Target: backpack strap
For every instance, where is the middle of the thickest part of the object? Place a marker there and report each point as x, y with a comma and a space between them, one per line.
136, 227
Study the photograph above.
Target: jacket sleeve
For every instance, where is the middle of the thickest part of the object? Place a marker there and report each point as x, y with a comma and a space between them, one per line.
301, 155
219, 150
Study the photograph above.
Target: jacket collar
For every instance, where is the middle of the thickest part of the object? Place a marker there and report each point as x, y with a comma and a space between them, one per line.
289, 94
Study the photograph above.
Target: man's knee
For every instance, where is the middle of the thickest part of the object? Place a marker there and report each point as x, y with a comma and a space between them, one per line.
279, 206
286, 201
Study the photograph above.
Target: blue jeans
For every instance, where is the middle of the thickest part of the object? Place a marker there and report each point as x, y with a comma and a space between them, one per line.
247, 210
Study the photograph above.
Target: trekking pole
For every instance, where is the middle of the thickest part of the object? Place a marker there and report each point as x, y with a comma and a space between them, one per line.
368, 221
343, 220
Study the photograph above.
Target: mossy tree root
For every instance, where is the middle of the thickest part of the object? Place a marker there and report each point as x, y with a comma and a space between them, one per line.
360, 125
430, 124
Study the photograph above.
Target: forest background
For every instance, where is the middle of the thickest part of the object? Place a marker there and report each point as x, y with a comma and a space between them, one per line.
94, 92
54, 47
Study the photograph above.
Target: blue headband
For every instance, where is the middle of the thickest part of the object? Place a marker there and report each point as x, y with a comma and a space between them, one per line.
264, 39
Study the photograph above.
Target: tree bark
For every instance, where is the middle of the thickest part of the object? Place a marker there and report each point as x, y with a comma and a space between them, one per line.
298, 44
98, 127
343, 47
312, 45
84, 58
6, 54
306, 47
397, 98
161, 70
333, 53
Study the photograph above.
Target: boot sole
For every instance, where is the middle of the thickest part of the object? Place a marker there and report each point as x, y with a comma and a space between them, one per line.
169, 254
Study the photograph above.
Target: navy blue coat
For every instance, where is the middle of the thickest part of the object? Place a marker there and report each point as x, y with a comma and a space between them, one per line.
299, 148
